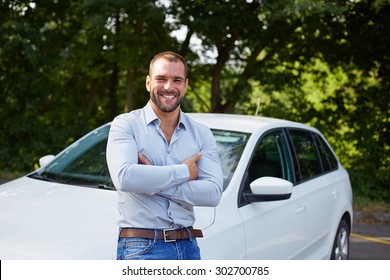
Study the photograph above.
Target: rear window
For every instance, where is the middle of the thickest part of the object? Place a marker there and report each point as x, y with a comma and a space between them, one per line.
329, 160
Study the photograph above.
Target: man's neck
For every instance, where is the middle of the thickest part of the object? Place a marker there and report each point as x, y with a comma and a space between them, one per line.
168, 120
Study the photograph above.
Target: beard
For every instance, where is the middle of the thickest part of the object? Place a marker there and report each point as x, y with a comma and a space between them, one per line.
169, 106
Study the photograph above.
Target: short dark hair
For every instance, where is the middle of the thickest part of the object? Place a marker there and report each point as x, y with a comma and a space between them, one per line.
172, 57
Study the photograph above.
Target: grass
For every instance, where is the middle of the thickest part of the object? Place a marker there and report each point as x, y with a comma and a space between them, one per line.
371, 211
367, 205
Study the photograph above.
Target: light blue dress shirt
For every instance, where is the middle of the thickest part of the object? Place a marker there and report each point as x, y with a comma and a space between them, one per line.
161, 196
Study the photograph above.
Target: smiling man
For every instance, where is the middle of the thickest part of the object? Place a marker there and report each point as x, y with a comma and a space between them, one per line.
162, 164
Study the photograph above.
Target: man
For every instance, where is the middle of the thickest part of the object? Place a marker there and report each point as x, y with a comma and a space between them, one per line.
162, 164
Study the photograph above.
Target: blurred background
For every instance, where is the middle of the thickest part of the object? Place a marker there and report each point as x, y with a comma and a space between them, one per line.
68, 66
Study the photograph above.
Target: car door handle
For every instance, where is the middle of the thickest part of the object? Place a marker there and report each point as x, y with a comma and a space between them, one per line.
300, 208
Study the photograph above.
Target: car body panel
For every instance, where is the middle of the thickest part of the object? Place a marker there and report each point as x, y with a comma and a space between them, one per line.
230, 244
323, 224
278, 233
56, 221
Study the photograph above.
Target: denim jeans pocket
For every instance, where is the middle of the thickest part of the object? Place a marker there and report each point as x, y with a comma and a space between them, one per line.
133, 248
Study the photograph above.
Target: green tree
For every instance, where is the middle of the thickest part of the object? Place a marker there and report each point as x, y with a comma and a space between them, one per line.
367, 47
248, 39
68, 66
31, 58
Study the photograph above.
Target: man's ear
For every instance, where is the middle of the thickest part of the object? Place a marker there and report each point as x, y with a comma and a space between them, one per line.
147, 83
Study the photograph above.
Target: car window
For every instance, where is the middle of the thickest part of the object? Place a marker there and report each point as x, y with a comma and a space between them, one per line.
230, 145
308, 162
270, 158
329, 161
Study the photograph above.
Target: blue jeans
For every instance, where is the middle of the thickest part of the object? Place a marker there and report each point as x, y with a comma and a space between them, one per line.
131, 248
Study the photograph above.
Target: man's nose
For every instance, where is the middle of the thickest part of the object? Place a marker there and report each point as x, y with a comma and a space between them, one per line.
168, 85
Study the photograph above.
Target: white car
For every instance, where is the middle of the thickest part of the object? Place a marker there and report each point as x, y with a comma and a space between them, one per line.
286, 196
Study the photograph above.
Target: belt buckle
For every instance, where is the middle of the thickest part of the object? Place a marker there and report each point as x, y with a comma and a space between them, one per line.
165, 233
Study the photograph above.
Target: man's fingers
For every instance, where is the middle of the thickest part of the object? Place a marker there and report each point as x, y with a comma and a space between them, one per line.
197, 156
192, 167
143, 160
193, 159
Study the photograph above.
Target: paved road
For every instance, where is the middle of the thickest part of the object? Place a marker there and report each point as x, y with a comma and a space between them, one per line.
370, 242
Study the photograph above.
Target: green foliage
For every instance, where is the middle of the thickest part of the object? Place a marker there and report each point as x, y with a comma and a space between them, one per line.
69, 66
64, 69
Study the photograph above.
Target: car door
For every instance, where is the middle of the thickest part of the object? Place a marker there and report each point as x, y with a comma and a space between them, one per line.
273, 230
315, 163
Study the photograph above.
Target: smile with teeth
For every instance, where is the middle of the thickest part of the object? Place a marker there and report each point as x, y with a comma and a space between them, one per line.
168, 95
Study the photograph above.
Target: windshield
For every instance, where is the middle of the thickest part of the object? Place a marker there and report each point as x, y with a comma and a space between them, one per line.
84, 162
230, 147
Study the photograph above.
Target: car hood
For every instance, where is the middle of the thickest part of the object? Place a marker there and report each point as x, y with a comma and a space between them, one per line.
44, 220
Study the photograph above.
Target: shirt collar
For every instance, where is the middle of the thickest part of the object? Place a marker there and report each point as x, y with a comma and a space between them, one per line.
150, 116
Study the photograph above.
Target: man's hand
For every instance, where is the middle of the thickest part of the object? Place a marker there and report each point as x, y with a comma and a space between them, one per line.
192, 167
143, 160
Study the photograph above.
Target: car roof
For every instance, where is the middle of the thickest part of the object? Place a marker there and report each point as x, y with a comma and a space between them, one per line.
243, 123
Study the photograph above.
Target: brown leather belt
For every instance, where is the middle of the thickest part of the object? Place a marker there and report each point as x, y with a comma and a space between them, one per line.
168, 235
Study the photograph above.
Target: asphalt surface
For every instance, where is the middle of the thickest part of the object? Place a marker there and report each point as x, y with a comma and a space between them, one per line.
370, 242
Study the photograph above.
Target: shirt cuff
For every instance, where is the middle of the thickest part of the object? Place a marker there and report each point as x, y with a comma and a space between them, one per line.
182, 174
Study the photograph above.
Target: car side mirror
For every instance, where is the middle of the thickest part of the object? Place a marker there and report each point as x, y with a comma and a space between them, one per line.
269, 189
45, 160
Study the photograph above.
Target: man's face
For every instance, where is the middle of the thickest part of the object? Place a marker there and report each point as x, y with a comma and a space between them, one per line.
167, 84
